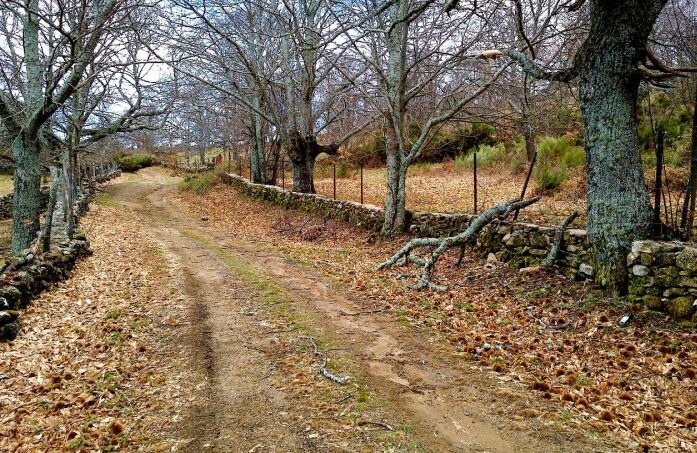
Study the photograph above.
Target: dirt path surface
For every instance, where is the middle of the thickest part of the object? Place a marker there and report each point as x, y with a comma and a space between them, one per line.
259, 327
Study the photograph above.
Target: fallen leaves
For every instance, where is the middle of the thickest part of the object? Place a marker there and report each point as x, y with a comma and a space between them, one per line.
80, 376
558, 337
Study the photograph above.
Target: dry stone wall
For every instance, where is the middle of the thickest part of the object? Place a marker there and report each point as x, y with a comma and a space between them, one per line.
663, 275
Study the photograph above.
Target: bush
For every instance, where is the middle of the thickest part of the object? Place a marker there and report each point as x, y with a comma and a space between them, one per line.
486, 155
561, 151
550, 178
133, 162
200, 183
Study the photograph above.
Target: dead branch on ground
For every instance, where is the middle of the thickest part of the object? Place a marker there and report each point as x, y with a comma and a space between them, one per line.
440, 245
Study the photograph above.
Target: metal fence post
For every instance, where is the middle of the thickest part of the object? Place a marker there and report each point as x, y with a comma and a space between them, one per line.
361, 183
475, 182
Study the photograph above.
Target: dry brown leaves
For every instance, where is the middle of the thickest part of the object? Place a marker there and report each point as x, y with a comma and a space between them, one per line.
87, 372
635, 384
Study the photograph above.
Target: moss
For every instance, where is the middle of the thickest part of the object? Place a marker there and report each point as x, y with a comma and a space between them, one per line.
681, 307
652, 302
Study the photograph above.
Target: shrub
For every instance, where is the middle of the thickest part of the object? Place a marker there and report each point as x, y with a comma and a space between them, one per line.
200, 183
486, 155
134, 162
562, 151
550, 178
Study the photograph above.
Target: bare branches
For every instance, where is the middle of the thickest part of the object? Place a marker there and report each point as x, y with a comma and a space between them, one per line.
440, 245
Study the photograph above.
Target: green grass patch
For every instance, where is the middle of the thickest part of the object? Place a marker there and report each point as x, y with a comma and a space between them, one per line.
200, 183
105, 199
134, 162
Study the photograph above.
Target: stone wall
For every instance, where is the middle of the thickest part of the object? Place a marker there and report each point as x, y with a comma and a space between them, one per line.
663, 275
6, 203
520, 244
26, 275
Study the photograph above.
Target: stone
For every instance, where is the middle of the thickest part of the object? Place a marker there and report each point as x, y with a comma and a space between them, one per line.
652, 302
640, 271
633, 258
681, 307
686, 259
491, 258
586, 269
646, 259
9, 331
648, 246
674, 292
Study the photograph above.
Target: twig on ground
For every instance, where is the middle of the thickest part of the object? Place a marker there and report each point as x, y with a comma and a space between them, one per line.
364, 312
323, 368
378, 423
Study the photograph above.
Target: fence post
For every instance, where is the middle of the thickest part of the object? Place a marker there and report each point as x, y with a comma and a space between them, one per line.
334, 171
250, 167
525, 184
229, 159
475, 182
361, 183
659, 182
283, 173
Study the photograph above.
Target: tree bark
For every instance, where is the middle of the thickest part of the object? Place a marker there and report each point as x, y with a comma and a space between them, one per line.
302, 152
50, 209
618, 200
395, 202
689, 203
27, 192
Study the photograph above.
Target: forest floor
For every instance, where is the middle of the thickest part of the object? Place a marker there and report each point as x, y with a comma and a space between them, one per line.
201, 323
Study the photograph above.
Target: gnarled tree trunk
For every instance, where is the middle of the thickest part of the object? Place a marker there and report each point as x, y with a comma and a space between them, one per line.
302, 152
618, 201
27, 192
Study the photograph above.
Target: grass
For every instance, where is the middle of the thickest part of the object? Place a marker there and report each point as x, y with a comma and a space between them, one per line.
134, 162
6, 184
105, 199
200, 183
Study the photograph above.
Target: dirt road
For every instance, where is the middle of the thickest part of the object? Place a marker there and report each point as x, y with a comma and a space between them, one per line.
259, 327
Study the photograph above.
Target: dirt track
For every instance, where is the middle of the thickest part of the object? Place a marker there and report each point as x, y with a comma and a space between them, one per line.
249, 311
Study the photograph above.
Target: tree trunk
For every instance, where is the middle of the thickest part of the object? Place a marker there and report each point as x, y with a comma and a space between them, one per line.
258, 157
395, 204
27, 193
50, 209
689, 204
618, 200
303, 173
70, 193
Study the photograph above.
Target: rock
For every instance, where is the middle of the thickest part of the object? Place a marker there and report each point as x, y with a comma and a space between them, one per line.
653, 302
649, 247
204, 219
491, 258
9, 331
640, 270
687, 259
681, 307
632, 258
586, 269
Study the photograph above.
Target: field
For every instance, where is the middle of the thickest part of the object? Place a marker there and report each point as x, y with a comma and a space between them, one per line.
441, 188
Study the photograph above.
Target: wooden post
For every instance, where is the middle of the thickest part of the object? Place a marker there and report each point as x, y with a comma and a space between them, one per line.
283, 173
250, 168
334, 171
526, 182
229, 161
660, 140
361, 183
474, 161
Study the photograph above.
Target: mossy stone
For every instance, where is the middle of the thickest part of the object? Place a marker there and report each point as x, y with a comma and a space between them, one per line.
652, 302
681, 307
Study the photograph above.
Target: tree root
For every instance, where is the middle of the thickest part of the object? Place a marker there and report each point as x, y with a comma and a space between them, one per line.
440, 245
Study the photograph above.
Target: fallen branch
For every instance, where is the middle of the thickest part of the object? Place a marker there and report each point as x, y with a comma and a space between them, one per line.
558, 236
323, 368
440, 245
